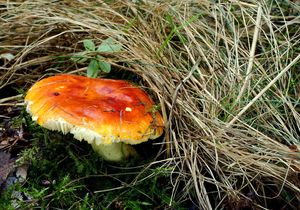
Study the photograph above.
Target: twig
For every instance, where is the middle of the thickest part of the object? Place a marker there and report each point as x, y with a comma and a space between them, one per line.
10, 98
13, 104
178, 88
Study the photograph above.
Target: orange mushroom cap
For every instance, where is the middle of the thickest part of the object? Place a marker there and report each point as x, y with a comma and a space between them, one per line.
100, 111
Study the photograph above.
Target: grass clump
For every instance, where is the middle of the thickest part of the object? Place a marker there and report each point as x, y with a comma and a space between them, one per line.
224, 73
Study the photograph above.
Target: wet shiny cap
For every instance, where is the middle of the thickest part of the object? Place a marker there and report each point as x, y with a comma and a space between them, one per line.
100, 111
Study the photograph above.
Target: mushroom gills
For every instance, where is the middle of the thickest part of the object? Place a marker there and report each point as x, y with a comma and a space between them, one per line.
114, 152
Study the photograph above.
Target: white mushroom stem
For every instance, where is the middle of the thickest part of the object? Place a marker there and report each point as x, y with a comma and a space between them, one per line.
115, 152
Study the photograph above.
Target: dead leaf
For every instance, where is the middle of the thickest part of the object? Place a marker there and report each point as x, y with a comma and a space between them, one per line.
21, 172
3, 144
6, 166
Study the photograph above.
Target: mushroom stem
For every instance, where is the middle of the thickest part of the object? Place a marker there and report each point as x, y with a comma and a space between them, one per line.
116, 152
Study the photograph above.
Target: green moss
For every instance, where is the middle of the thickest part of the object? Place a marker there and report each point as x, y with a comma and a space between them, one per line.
65, 173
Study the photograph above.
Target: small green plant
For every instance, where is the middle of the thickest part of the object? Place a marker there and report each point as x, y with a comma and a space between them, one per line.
97, 62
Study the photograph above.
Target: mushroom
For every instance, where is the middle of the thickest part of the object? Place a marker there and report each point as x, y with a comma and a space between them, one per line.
111, 115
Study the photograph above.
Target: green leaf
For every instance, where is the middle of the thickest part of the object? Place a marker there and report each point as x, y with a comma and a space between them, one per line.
89, 45
104, 66
93, 68
79, 57
110, 46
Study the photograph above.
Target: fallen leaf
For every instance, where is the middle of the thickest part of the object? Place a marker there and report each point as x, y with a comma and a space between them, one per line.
3, 144
6, 166
21, 172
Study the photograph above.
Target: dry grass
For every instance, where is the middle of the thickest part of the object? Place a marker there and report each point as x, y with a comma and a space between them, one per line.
225, 75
